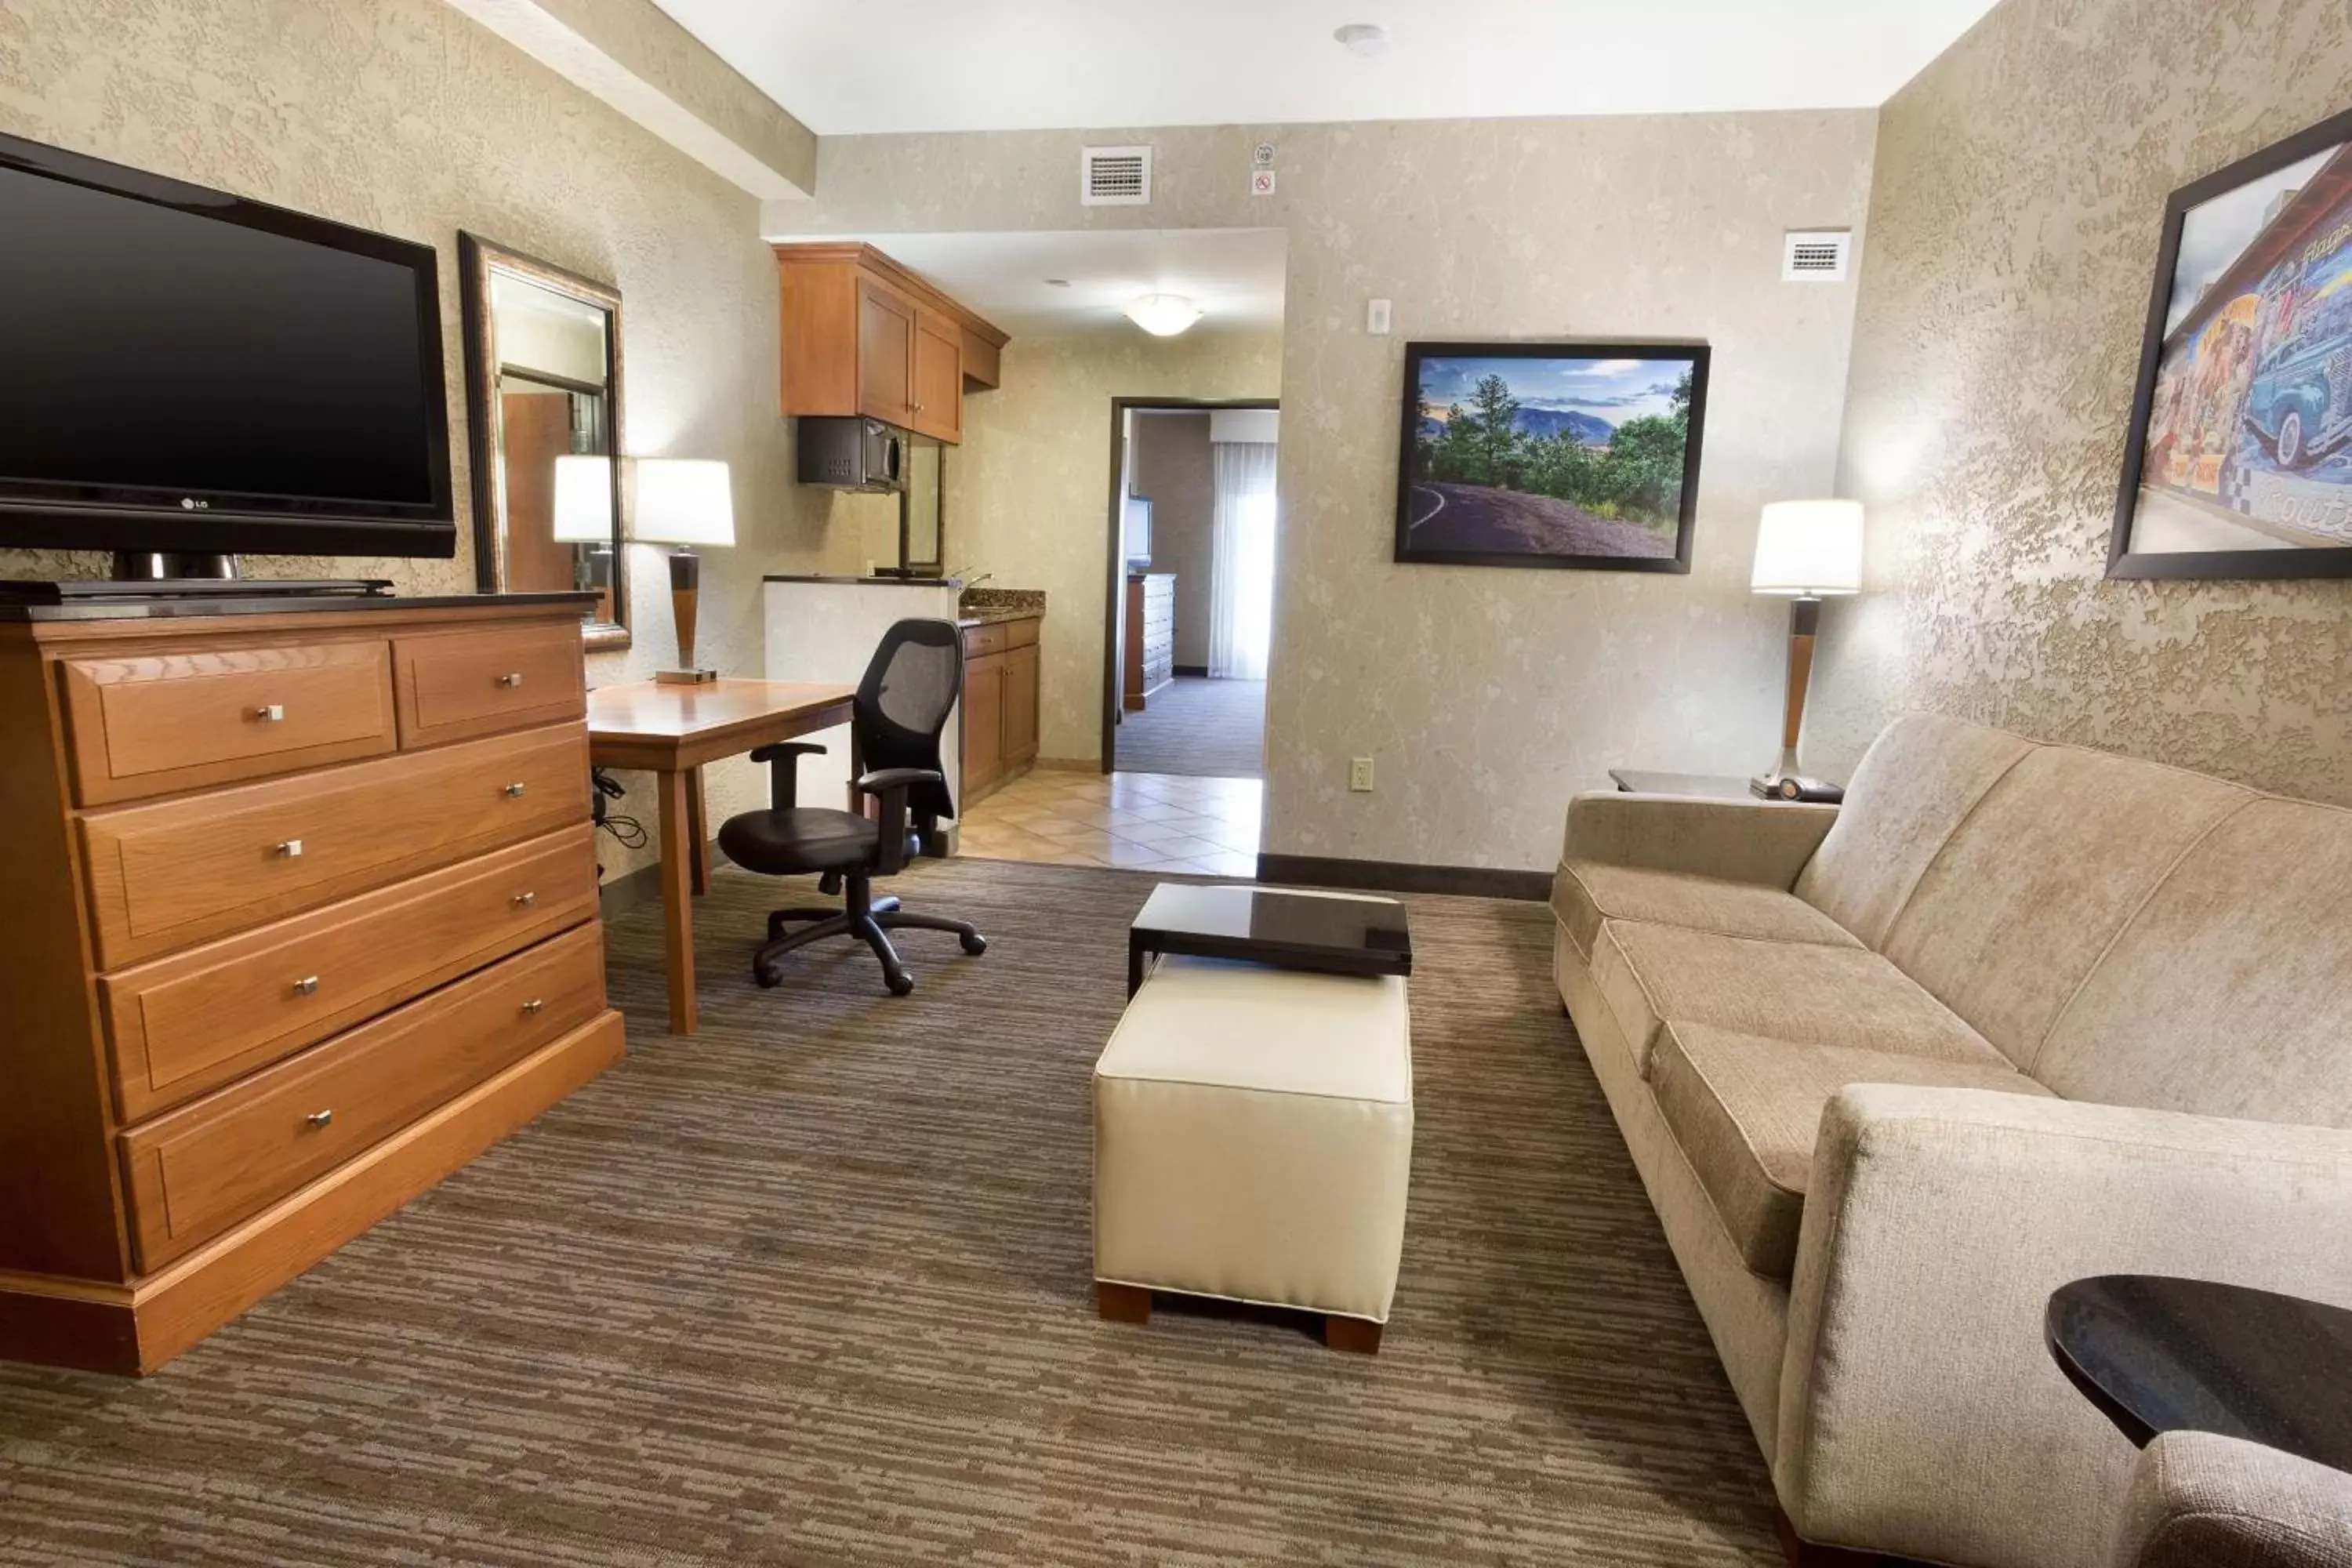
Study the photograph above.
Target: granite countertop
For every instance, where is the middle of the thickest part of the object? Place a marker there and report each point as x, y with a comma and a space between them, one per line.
990, 606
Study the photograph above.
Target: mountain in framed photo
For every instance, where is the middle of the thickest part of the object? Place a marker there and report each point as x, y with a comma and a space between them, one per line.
2239, 462
1563, 455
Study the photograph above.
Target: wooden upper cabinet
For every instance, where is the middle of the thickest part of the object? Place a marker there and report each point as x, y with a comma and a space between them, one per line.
863, 335
939, 378
886, 355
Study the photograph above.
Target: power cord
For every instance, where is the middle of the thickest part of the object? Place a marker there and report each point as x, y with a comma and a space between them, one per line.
626, 830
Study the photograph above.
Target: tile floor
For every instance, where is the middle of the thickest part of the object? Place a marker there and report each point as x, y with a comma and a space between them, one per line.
1148, 822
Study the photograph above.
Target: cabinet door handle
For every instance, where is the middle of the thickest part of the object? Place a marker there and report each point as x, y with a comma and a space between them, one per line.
534, 1004
307, 986
514, 678
514, 791
269, 712
524, 900
319, 1118
290, 849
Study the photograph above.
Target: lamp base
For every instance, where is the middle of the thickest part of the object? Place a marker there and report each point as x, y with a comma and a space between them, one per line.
685, 676
1795, 786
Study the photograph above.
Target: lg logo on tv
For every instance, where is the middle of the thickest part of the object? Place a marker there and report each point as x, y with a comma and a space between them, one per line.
190, 503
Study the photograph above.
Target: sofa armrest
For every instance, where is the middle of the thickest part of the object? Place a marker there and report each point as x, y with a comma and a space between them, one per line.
1738, 840
1920, 1412
2200, 1497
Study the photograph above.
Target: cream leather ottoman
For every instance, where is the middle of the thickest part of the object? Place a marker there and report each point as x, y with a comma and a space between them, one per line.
1253, 1140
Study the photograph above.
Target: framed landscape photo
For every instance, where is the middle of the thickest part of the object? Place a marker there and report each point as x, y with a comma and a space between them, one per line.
1569, 455
2238, 462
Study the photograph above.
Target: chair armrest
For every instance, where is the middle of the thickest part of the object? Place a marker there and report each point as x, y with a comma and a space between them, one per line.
890, 786
1920, 1413
2201, 1497
783, 773
1738, 840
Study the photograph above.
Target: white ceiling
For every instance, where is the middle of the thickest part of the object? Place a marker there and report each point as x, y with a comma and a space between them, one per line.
847, 68
1234, 275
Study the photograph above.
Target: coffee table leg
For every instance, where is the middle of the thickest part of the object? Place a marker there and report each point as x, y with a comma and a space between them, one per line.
1134, 965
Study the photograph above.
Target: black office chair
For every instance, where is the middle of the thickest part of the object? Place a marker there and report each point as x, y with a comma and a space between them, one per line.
903, 703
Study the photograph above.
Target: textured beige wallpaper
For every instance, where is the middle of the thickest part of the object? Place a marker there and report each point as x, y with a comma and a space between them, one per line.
1486, 696
1028, 494
1173, 467
2014, 226
402, 116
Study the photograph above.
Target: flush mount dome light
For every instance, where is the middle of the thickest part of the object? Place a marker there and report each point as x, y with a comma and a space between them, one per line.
1163, 315
1364, 38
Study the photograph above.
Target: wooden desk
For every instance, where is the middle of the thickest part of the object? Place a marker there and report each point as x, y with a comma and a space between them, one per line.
671, 731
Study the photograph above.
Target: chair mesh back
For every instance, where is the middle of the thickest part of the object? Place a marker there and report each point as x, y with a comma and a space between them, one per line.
903, 704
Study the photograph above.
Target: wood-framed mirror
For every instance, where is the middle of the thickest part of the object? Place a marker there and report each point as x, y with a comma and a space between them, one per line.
543, 404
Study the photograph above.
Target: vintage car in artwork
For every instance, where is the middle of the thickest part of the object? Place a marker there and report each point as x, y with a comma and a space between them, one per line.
2301, 401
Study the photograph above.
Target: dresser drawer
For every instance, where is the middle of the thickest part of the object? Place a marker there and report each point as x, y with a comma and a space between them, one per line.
149, 724
192, 1022
1020, 634
454, 686
165, 876
196, 1172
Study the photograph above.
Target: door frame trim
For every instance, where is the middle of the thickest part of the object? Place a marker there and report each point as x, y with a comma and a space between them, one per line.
1114, 600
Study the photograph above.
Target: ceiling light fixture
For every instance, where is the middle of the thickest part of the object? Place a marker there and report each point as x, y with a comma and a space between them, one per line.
1366, 38
1163, 315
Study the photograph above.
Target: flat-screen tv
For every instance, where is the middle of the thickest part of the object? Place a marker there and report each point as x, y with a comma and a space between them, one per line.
187, 371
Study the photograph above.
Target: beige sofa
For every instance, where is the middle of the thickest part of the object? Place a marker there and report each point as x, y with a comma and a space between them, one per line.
1893, 1072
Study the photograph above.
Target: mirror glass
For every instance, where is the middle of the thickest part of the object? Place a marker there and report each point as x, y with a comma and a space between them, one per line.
921, 550
544, 380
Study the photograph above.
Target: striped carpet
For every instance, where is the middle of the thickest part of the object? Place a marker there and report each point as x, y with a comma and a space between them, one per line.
1213, 728
813, 1288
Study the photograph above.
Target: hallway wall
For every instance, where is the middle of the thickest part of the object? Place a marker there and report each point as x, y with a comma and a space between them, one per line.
1171, 463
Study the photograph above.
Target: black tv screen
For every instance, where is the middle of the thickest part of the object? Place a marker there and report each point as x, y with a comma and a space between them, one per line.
182, 370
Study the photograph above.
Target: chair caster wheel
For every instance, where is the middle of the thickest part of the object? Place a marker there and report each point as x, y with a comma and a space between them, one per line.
975, 944
901, 983
768, 975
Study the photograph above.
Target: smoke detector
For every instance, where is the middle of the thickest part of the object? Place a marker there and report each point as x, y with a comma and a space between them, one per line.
1815, 256
1366, 38
1115, 176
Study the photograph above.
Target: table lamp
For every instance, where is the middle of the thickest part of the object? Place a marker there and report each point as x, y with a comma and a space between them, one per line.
1805, 551
583, 510
684, 502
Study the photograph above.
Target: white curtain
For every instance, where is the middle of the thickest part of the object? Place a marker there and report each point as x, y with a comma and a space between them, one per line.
1241, 575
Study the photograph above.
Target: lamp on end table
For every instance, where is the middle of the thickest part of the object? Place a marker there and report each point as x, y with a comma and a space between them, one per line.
684, 502
1805, 551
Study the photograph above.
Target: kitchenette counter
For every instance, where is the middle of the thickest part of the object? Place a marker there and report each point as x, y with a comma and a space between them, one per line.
994, 606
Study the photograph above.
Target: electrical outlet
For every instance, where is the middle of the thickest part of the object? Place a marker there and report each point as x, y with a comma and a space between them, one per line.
1359, 775
1376, 317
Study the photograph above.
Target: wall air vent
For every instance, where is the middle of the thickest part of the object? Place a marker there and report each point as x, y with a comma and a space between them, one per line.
1115, 176
1815, 256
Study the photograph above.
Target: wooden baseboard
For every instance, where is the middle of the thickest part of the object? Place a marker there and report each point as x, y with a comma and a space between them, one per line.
1403, 877
136, 1329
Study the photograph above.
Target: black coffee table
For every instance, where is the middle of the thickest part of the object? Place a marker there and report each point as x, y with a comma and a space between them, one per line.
1270, 926
2158, 1354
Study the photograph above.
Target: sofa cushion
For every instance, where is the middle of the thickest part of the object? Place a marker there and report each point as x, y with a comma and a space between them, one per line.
1918, 780
1587, 892
2034, 885
1787, 990
2230, 994
1745, 1108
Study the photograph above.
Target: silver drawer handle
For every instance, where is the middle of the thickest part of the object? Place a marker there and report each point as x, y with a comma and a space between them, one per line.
515, 678
534, 1004
291, 850
321, 1119
307, 986
514, 791
270, 713
524, 900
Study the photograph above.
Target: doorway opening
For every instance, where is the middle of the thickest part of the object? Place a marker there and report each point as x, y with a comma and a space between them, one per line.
1193, 534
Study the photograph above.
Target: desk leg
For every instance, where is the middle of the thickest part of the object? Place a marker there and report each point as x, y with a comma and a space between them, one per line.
697, 818
677, 897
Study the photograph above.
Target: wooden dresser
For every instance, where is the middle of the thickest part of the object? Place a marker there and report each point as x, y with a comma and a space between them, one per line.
1151, 635
301, 917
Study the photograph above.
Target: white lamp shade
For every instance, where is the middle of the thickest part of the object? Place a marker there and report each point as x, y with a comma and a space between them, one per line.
1809, 548
1163, 315
683, 500
584, 500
